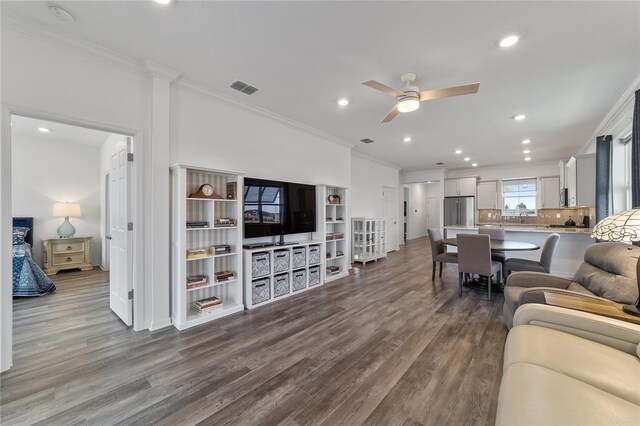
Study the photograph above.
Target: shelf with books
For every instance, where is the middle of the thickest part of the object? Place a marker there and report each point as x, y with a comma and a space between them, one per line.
217, 273
336, 225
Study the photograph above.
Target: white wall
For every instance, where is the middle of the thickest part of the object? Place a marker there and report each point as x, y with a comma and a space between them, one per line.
113, 144
417, 218
368, 177
511, 171
208, 132
48, 171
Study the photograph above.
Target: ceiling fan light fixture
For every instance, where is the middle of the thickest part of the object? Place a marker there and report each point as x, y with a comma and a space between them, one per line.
408, 104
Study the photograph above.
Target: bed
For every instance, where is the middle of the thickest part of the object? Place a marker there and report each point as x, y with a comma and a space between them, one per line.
28, 278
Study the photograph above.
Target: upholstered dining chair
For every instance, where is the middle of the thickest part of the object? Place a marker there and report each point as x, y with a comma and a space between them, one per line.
514, 264
474, 257
495, 234
438, 253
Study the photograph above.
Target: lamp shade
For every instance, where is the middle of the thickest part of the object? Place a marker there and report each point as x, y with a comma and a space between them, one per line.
624, 227
66, 209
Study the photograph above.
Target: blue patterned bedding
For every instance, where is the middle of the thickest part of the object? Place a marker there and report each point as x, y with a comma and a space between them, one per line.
28, 278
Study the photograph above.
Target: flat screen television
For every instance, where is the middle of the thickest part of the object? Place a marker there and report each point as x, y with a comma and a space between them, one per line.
278, 208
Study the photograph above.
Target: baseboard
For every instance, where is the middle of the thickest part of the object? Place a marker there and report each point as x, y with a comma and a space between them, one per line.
158, 325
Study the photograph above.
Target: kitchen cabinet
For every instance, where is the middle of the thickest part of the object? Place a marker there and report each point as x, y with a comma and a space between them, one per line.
460, 187
549, 192
488, 195
580, 180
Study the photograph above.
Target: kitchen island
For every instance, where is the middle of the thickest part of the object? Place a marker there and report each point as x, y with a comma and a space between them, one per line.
568, 256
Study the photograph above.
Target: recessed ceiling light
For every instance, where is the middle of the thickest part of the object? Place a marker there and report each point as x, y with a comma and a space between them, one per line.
527, 159
343, 102
428, 181
509, 40
467, 158
526, 141
407, 139
526, 151
44, 129
519, 117
474, 165
164, 1
458, 151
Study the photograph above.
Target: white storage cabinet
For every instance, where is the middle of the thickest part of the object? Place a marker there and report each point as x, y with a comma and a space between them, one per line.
369, 236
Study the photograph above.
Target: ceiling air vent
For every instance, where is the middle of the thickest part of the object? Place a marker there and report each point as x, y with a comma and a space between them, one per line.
440, 163
243, 87
366, 140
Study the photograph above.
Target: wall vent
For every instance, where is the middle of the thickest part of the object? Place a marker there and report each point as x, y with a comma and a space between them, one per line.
243, 87
366, 140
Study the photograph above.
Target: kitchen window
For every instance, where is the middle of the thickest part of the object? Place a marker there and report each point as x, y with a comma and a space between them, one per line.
519, 197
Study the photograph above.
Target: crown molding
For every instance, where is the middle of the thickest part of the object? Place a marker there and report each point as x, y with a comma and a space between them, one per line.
19, 23
375, 160
160, 71
615, 115
198, 89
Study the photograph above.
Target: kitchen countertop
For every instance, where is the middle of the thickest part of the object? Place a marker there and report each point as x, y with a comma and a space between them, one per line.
518, 227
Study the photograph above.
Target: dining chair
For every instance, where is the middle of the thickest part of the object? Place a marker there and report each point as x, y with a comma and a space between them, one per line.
474, 257
514, 264
438, 253
495, 234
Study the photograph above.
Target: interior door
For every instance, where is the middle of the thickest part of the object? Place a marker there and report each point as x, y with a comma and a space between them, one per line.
432, 214
391, 213
119, 282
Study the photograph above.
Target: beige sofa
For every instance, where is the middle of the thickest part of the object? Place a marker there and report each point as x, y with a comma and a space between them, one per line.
608, 271
565, 367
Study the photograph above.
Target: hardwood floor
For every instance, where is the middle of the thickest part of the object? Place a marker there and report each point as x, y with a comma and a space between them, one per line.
385, 346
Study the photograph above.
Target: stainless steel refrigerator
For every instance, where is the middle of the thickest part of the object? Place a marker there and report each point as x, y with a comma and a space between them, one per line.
459, 211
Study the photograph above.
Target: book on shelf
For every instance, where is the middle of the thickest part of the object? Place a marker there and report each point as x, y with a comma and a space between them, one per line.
223, 222
196, 253
197, 224
224, 276
195, 281
220, 249
232, 190
333, 270
208, 305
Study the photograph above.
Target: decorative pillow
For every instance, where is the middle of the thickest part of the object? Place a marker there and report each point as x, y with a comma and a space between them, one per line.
19, 234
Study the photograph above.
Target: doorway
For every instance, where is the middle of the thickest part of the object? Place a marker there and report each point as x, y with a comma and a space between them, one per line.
391, 208
59, 189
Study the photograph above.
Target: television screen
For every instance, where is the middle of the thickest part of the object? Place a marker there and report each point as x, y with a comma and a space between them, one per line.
275, 208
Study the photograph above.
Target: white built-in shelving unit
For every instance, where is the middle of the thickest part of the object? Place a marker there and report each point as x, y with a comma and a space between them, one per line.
369, 240
185, 181
277, 272
333, 221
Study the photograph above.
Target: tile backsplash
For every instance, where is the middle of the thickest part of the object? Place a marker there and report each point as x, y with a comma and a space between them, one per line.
544, 217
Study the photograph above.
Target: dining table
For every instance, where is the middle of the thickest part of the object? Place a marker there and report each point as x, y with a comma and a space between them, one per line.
497, 246
501, 245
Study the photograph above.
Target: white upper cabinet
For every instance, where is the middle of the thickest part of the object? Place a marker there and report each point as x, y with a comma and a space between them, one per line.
460, 187
488, 195
549, 192
580, 180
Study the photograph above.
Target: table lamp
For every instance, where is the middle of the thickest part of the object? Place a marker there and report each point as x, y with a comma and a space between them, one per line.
623, 227
66, 210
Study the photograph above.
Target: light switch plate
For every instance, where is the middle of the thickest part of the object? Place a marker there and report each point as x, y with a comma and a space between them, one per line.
557, 215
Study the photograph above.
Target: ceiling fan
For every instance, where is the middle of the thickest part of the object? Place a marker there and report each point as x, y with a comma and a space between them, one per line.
409, 98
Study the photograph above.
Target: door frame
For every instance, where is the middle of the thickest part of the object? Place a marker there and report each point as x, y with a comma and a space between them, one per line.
135, 187
397, 210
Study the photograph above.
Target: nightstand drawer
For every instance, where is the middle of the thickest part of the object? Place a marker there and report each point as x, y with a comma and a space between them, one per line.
68, 259
68, 247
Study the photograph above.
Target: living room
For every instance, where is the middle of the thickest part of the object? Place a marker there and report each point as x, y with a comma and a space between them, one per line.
161, 74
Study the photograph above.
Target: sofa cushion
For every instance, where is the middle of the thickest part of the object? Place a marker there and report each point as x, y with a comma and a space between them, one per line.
595, 364
535, 395
609, 271
574, 286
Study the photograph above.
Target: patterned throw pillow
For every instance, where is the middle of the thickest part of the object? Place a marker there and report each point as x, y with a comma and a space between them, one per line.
19, 234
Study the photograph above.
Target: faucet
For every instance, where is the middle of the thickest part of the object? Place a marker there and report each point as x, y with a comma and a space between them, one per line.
521, 219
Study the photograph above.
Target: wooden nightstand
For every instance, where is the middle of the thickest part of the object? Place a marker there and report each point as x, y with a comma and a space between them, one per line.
67, 253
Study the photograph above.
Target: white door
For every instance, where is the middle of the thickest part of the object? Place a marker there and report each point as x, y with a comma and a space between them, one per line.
432, 214
391, 213
119, 277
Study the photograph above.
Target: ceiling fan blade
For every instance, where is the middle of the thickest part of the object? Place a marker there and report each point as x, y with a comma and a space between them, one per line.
383, 88
466, 89
392, 114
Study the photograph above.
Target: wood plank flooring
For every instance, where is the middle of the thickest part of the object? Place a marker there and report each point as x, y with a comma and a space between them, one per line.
385, 346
